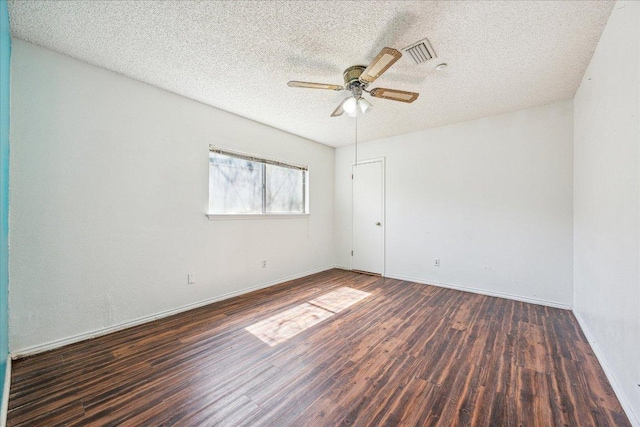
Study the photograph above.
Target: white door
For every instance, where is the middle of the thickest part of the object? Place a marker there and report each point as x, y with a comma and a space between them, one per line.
368, 217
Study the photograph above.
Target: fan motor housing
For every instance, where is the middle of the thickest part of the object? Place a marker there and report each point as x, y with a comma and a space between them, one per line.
352, 74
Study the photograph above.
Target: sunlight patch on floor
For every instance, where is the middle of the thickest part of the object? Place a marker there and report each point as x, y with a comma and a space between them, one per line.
282, 326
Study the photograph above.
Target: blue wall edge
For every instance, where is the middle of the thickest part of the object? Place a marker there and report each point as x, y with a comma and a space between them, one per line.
5, 63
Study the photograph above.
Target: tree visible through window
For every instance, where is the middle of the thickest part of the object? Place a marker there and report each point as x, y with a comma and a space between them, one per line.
240, 184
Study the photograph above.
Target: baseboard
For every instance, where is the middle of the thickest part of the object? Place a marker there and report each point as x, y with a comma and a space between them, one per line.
622, 398
342, 267
483, 292
51, 345
5, 394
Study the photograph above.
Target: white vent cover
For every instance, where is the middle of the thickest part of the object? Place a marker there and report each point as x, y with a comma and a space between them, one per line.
421, 51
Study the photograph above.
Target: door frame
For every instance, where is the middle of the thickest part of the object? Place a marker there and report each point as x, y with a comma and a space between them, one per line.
382, 161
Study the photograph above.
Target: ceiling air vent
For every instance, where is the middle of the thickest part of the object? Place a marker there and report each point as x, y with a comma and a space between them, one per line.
421, 51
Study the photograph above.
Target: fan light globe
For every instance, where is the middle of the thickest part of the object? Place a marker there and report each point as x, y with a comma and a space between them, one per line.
364, 105
349, 106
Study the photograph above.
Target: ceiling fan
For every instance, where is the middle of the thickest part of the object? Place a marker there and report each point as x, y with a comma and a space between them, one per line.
356, 80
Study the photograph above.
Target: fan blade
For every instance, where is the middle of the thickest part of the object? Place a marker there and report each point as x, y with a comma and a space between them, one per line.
385, 59
310, 85
394, 95
338, 111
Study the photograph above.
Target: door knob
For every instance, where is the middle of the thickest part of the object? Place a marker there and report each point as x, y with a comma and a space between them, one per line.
378, 223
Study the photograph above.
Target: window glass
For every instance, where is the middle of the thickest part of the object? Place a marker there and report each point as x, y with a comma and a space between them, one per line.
241, 184
235, 185
285, 188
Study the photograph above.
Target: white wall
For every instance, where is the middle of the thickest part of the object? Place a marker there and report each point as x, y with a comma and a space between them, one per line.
108, 199
491, 198
607, 202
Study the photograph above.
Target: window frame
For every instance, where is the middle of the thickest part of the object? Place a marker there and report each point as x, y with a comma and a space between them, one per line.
264, 214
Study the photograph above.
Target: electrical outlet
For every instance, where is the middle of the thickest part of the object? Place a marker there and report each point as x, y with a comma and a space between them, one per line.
264, 263
436, 262
191, 279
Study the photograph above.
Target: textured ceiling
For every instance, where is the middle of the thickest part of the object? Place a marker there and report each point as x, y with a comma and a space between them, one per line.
238, 56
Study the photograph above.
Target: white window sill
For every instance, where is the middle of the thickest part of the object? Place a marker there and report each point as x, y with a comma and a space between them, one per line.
221, 217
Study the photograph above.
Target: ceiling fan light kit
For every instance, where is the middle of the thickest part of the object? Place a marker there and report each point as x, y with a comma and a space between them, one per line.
351, 104
356, 80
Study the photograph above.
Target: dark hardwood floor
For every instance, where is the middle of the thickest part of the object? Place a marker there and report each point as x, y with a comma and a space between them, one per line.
408, 354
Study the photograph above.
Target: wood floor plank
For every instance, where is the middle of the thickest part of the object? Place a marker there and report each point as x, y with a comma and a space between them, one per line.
406, 355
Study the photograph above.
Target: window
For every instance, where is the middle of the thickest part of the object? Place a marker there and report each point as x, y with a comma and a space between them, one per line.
241, 184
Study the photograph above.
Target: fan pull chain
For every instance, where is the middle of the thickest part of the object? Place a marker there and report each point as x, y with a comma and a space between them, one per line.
356, 134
